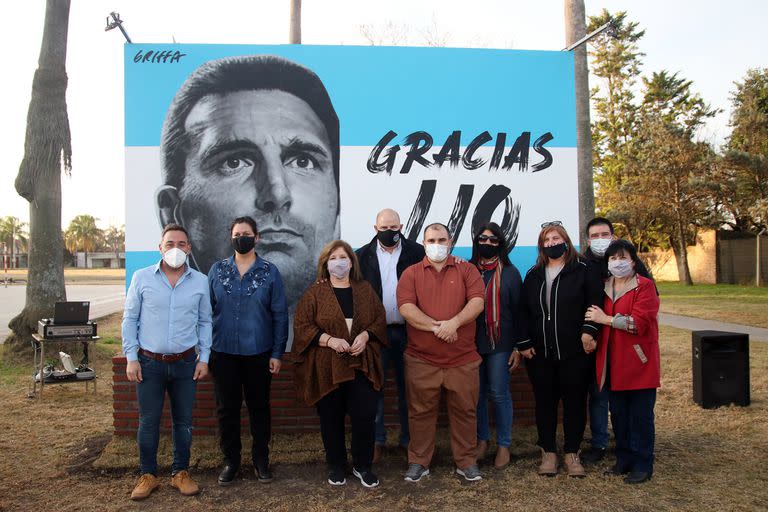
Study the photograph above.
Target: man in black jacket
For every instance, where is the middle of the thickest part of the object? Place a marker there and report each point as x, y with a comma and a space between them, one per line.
599, 237
382, 262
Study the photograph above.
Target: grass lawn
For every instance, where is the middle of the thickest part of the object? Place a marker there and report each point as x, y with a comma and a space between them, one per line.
59, 453
76, 275
737, 304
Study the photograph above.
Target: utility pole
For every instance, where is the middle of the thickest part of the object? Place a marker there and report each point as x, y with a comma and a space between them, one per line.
294, 36
575, 30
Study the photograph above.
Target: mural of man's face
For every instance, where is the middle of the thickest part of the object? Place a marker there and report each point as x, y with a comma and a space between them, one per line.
266, 154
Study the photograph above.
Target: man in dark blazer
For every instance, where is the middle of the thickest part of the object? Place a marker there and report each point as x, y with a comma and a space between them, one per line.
382, 262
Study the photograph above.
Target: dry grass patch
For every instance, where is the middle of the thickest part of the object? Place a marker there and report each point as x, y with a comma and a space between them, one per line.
77, 275
706, 460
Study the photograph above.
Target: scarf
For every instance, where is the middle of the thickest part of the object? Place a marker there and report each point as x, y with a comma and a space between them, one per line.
492, 300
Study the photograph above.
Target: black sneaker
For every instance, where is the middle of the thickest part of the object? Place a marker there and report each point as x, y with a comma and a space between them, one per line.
593, 455
366, 476
337, 476
263, 473
415, 472
637, 477
470, 474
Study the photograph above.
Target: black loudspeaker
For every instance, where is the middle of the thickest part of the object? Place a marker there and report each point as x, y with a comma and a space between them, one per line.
720, 368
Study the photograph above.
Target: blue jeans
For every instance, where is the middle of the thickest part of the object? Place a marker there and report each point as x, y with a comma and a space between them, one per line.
392, 356
494, 385
598, 416
634, 429
157, 379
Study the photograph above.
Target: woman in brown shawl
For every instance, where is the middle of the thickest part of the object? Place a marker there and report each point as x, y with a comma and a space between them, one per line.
338, 328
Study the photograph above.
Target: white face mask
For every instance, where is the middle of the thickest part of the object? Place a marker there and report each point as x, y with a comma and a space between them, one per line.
436, 252
599, 245
339, 268
620, 268
175, 257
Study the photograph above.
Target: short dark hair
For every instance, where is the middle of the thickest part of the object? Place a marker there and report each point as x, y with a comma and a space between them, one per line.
174, 227
434, 225
245, 219
596, 222
242, 73
498, 233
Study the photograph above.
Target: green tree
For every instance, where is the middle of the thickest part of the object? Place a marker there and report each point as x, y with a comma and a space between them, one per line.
13, 230
615, 62
47, 147
114, 240
743, 176
83, 235
669, 184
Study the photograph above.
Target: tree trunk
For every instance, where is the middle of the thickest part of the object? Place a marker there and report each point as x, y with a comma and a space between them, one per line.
680, 249
295, 27
46, 146
575, 29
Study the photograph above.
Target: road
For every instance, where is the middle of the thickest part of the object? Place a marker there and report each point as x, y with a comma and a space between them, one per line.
105, 299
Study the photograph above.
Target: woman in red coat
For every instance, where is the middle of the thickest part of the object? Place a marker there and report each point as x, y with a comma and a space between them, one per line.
628, 360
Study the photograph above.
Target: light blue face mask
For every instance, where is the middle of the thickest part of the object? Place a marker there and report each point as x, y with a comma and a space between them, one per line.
599, 245
620, 268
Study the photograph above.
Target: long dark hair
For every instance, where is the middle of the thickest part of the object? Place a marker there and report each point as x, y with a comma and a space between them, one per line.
621, 246
503, 250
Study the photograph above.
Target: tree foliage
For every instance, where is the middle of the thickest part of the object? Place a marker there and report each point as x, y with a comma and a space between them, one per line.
742, 195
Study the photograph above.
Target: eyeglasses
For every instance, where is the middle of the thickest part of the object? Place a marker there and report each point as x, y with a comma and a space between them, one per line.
486, 238
552, 223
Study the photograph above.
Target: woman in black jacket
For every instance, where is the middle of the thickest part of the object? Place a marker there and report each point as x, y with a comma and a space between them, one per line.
556, 293
498, 330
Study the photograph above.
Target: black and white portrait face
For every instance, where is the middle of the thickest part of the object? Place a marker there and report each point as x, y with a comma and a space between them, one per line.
263, 153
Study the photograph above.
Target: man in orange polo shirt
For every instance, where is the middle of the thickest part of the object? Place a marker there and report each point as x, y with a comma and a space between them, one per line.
440, 301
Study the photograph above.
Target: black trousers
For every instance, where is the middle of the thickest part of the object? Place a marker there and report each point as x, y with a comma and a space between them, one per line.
552, 381
235, 376
358, 399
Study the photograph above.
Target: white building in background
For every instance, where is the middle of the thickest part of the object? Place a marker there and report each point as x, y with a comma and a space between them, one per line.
100, 260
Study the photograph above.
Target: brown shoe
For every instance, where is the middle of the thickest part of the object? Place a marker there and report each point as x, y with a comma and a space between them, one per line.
378, 450
548, 465
184, 483
147, 483
482, 450
573, 466
502, 457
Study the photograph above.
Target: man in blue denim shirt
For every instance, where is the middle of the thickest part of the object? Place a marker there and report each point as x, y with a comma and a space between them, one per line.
250, 331
167, 341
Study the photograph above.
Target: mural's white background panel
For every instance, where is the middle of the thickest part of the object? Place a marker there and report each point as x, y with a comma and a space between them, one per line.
142, 179
547, 195
550, 194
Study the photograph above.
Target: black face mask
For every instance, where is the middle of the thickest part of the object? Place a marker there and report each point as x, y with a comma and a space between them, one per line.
244, 244
487, 251
555, 251
388, 238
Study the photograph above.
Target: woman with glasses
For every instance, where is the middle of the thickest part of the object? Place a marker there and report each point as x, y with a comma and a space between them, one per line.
556, 295
498, 330
628, 361
338, 329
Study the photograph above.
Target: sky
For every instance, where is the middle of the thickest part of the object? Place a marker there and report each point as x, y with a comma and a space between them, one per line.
703, 41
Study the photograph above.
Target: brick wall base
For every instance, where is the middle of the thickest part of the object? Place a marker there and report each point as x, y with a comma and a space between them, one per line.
287, 414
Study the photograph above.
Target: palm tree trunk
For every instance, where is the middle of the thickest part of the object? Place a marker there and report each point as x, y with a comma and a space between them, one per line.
46, 146
295, 27
575, 29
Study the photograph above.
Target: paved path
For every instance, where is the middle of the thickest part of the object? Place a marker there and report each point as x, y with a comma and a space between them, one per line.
105, 299
700, 324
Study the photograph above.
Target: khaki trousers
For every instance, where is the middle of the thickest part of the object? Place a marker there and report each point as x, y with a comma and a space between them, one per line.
424, 384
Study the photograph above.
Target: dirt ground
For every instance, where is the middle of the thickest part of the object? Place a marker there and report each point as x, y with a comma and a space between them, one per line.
58, 454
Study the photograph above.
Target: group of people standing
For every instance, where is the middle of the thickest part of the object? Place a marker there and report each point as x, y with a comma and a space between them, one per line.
585, 326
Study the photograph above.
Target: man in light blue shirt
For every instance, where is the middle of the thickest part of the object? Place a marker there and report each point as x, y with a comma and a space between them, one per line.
167, 342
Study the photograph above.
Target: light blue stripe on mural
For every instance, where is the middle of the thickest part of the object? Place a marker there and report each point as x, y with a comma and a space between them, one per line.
523, 258
376, 89
135, 260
